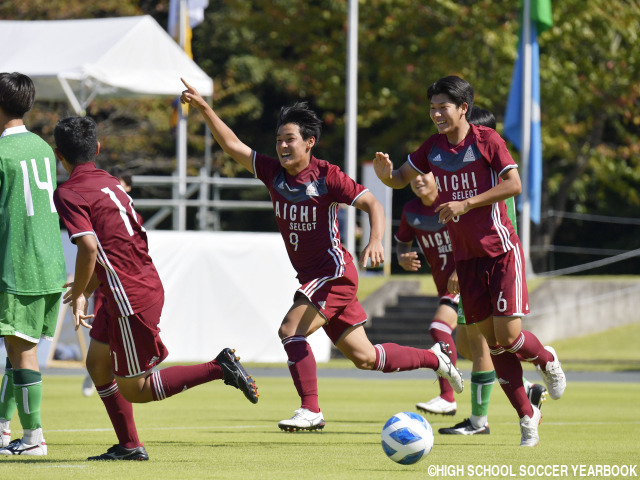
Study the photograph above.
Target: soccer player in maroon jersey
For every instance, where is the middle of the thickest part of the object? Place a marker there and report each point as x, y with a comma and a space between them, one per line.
88, 388
306, 193
419, 222
475, 173
113, 254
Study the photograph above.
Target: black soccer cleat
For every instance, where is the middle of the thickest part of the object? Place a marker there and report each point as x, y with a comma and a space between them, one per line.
537, 394
465, 428
118, 452
234, 374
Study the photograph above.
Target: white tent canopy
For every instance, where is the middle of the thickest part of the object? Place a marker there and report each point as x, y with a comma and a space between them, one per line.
76, 60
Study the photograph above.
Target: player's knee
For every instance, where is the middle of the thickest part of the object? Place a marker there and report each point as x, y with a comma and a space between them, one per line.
282, 333
364, 365
362, 361
505, 339
133, 392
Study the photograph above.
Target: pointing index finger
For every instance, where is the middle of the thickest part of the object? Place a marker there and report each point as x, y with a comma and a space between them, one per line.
186, 84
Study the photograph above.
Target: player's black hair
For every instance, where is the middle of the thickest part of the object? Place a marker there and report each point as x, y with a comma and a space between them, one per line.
458, 90
77, 139
17, 94
482, 116
121, 174
307, 120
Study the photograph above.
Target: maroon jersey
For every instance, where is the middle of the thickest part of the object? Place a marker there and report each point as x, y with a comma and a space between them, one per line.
420, 222
466, 170
306, 210
92, 202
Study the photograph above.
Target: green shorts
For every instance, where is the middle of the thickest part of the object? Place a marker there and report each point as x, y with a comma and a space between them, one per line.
461, 319
30, 317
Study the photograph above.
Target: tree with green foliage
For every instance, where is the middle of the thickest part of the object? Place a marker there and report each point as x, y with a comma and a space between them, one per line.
263, 54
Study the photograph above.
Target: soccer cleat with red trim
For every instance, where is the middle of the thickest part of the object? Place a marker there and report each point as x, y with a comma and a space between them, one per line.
5, 438
18, 447
465, 428
235, 375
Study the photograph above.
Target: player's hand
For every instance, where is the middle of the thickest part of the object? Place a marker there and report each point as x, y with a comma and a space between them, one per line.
191, 96
452, 284
383, 166
373, 252
450, 210
78, 307
409, 261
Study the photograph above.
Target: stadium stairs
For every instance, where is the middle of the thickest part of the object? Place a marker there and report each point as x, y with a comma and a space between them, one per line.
397, 313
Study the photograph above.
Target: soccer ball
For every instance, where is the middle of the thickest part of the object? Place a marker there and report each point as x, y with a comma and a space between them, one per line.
406, 438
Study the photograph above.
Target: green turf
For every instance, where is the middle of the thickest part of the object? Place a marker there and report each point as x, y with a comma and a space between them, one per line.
614, 349
212, 432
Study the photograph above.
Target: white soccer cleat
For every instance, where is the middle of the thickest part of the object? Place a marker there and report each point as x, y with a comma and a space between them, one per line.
5, 438
529, 428
303, 419
18, 447
446, 369
553, 376
439, 406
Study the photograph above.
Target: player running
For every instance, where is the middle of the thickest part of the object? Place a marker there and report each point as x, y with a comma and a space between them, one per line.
475, 173
419, 222
306, 193
113, 254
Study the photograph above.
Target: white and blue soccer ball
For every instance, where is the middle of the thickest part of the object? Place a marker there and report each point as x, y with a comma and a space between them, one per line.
407, 438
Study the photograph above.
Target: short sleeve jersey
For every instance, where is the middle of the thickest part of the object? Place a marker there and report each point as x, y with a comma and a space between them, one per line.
306, 211
31, 255
92, 202
466, 170
420, 222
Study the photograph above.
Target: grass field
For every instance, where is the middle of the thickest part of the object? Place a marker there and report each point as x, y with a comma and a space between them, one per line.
212, 432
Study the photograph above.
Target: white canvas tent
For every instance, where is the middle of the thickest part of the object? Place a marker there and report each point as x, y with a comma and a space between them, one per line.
76, 60
123, 57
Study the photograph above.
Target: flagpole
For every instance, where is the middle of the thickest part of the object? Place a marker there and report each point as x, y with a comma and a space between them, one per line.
352, 116
180, 190
525, 151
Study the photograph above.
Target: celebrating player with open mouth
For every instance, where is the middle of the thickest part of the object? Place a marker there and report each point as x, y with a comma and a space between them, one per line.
306, 193
474, 174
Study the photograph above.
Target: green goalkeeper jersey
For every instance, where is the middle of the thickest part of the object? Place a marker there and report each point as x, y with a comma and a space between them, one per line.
31, 256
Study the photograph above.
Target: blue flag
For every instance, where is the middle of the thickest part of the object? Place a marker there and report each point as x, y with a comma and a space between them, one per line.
513, 124
541, 19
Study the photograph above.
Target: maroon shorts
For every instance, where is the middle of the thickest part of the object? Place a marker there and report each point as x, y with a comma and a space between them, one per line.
134, 341
493, 286
335, 298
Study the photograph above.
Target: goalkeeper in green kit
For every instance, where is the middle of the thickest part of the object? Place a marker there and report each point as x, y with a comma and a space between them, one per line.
32, 266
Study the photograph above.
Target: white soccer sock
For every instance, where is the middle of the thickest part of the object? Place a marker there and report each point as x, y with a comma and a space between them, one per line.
32, 437
478, 422
4, 424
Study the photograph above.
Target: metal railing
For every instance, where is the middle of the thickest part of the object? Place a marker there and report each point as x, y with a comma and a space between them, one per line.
208, 201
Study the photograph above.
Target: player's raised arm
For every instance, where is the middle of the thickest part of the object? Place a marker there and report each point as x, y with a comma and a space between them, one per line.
225, 137
374, 250
398, 178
